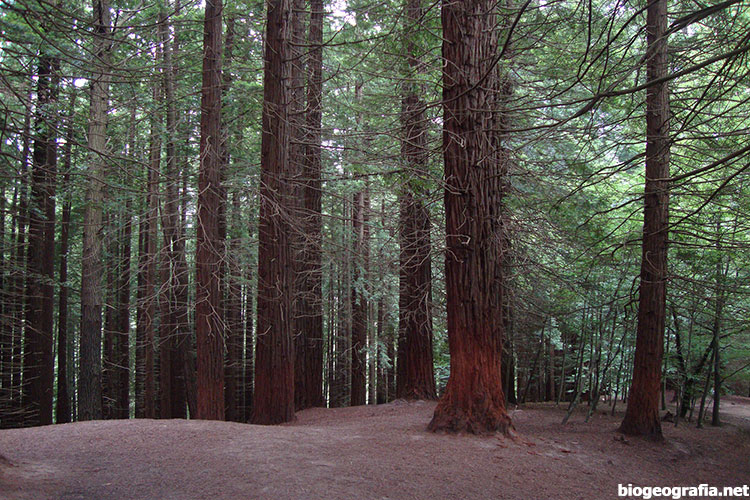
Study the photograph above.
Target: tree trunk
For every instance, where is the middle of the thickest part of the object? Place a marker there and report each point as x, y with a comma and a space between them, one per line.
233, 366
38, 370
62, 411
475, 166
247, 379
642, 414
358, 392
209, 329
110, 315
274, 355
122, 332
415, 378
90, 376
716, 330
309, 374
13, 414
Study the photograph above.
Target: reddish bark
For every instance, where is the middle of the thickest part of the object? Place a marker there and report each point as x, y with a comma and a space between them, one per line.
474, 167
642, 414
89, 387
273, 401
415, 379
146, 314
309, 353
209, 329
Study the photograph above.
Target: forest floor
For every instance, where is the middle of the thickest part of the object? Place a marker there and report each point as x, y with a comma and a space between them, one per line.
378, 452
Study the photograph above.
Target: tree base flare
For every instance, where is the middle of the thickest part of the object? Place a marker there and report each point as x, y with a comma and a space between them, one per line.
652, 431
475, 420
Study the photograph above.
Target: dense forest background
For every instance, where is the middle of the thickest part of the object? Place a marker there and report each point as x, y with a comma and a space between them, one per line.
130, 247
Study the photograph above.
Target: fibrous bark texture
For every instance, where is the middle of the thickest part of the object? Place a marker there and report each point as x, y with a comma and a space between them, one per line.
474, 167
415, 379
273, 401
309, 386
209, 251
642, 414
90, 370
38, 360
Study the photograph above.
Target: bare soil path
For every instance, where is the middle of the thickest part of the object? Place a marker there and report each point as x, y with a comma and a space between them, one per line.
376, 452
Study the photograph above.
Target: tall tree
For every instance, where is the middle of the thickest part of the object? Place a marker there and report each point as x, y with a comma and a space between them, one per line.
273, 401
209, 329
90, 369
310, 291
642, 413
415, 379
474, 161
38, 370
145, 387
62, 410
232, 293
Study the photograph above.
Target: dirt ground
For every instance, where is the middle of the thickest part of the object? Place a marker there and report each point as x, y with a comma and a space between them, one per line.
370, 452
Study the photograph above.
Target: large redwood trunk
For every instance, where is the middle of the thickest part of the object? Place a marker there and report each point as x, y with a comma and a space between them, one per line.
310, 291
209, 329
90, 376
474, 166
309, 321
642, 414
273, 401
38, 360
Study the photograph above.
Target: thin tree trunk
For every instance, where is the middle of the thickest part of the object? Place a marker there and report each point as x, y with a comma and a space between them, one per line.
62, 411
715, 330
110, 316
247, 381
233, 366
415, 378
359, 301
122, 333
